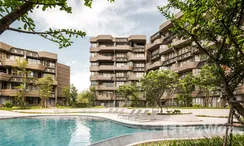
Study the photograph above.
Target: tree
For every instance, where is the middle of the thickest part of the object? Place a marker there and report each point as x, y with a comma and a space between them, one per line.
156, 83
208, 81
73, 93
67, 95
92, 97
86, 96
127, 91
20, 98
45, 85
185, 87
216, 29
12, 10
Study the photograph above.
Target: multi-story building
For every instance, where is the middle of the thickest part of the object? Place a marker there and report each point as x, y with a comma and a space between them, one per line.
116, 61
40, 64
166, 51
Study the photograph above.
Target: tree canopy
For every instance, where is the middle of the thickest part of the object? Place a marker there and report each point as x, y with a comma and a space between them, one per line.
128, 91
19, 10
156, 83
216, 29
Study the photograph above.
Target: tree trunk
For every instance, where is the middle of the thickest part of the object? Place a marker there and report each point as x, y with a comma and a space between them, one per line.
7, 20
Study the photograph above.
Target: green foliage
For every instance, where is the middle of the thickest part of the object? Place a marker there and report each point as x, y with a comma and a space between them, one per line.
45, 85
87, 97
197, 105
156, 83
7, 104
128, 92
238, 140
185, 87
73, 93
12, 10
21, 65
67, 95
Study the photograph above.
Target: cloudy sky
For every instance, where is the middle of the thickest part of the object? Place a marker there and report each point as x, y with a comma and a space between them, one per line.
121, 18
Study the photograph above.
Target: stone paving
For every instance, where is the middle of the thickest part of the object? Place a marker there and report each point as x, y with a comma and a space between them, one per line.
111, 116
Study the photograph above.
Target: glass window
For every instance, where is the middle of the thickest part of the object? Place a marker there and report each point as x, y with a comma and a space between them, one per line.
120, 64
94, 45
119, 84
94, 83
140, 54
14, 57
94, 64
33, 61
120, 74
139, 74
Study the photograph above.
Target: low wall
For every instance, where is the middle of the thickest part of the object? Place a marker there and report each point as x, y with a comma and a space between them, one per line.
206, 112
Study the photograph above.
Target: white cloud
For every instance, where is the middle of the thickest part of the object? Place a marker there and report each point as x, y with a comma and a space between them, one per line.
104, 17
81, 80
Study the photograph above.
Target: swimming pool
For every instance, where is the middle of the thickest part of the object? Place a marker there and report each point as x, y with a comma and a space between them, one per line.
60, 131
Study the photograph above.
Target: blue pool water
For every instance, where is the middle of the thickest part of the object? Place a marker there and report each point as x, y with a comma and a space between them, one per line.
60, 131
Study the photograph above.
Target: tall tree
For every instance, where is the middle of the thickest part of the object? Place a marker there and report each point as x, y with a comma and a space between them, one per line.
67, 95
73, 93
185, 87
208, 81
21, 65
127, 91
86, 96
45, 85
12, 10
92, 97
216, 28
156, 83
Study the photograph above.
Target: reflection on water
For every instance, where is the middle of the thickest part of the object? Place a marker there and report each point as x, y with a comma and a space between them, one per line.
73, 131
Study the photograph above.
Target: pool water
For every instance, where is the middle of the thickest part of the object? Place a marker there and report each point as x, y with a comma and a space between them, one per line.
59, 131
63, 131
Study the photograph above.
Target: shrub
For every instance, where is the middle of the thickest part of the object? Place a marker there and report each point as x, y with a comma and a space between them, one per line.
197, 105
176, 112
8, 104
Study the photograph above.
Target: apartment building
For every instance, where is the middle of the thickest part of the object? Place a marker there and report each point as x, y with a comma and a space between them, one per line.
166, 51
40, 64
116, 61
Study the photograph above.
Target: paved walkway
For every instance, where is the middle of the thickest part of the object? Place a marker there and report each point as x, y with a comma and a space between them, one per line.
111, 116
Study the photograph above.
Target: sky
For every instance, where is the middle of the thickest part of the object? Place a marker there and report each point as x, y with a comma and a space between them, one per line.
120, 18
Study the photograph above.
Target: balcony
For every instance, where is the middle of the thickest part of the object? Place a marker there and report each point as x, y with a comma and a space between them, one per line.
137, 38
120, 59
179, 43
8, 62
112, 48
103, 87
104, 97
155, 44
13, 92
155, 56
16, 79
94, 68
100, 78
101, 57
136, 58
169, 61
169, 38
184, 55
155, 65
186, 67
4, 76
138, 49
164, 49
123, 68
107, 38
124, 78
138, 68
94, 49
133, 77
36, 67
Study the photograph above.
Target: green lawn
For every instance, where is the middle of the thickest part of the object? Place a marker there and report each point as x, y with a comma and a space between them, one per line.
238, 140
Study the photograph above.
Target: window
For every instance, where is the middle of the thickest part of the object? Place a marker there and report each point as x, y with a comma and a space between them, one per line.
94, 64
120, 74
120, 64
94, 83
140, 54
13, 57
52, 75
139, 65
195, 72
139, 74
3, 55
119, 84
92, 73
15, 85
121, 55
106, 74
94, 45
17, 73
33, 61
93, 54
50, 64
108, 84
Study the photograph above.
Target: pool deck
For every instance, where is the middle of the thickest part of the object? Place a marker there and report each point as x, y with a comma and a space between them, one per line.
111, 116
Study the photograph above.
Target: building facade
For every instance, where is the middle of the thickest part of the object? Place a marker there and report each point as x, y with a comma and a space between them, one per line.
116, 61
40, 64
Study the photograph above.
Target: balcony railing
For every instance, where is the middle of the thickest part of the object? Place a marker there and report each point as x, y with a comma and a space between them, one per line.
169, 61
169, 38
